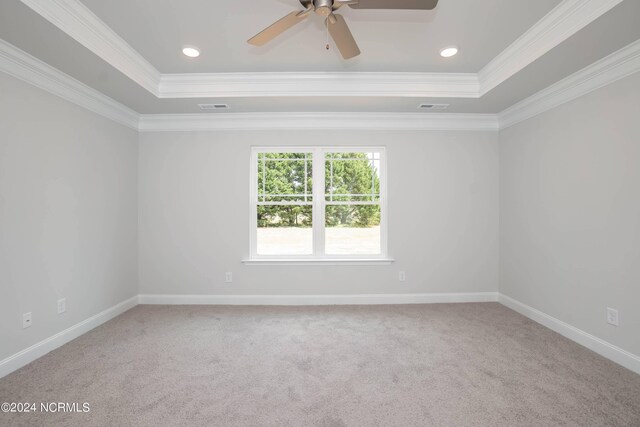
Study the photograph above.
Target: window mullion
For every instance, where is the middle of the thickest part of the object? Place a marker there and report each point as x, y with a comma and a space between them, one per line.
318, 202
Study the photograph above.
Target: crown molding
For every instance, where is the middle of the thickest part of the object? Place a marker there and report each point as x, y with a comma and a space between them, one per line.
426, 85
616, 66
27, 68
75, 19
565, 20
298, 121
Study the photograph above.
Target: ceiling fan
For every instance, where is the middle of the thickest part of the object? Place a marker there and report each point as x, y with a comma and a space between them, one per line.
335, 23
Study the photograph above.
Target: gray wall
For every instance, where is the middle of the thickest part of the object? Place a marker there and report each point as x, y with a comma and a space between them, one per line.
68, 213
570, 212
194, 215
72, 224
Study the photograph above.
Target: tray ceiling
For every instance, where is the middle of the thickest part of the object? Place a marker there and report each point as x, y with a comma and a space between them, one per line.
156, 30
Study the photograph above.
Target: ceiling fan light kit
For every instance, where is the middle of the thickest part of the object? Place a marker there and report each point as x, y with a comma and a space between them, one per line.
336, 25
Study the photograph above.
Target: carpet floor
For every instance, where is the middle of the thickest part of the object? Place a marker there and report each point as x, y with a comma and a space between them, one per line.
412, 365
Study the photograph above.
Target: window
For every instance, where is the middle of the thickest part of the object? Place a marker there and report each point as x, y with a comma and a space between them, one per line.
318, 204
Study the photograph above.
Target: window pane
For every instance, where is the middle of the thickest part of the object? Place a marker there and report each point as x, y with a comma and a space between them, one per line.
352, 230
284, 230
352, 177
284, 177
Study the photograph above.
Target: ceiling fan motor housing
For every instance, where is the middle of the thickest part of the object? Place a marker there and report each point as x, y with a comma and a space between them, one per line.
323, 7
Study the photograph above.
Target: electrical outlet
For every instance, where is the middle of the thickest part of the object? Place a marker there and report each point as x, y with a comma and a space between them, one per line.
26, 320
402, 276
62, 305
612, 316
228, 277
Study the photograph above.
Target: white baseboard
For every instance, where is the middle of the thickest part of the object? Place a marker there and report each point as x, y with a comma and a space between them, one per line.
362, 299
38, 350
603, 348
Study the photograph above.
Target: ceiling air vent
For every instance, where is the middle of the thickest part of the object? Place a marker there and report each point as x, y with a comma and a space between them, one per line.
433, 106
207, 107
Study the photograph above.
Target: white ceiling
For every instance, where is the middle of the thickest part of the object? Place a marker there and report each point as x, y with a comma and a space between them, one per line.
490, 29
390, 40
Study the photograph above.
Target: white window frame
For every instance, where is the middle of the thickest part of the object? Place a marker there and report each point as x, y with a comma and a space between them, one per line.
318, 208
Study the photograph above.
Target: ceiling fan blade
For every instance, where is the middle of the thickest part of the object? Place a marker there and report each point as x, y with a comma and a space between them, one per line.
395, 4
277, 28
343, 38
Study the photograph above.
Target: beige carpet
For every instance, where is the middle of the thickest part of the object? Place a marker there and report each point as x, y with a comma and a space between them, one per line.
419, 365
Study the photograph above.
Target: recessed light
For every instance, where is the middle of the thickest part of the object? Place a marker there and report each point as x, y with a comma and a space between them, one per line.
191, 51
448, 52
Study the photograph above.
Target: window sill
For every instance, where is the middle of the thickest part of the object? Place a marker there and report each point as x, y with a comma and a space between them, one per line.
328, 261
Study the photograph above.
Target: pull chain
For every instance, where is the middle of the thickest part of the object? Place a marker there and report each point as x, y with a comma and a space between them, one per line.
326, 24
